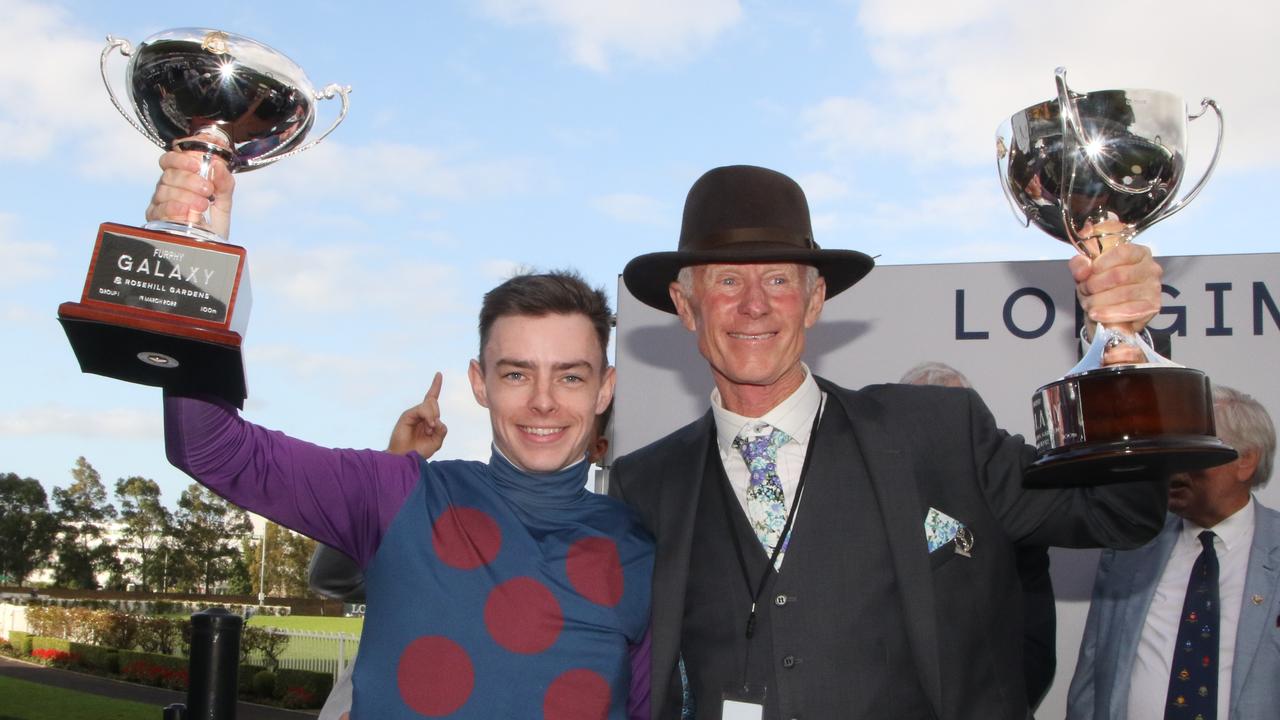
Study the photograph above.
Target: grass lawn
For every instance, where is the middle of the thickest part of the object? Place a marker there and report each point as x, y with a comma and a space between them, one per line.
315, 623
32, 701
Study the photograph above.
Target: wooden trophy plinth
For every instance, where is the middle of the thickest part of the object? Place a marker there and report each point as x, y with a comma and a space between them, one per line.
163, 309
1124, 423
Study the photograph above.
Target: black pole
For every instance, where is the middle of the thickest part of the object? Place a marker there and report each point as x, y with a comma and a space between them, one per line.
215, 662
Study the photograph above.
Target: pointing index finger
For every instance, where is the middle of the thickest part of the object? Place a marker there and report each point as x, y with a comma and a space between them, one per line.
434, 392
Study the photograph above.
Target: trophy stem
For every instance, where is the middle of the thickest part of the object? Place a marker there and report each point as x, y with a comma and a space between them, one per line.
1105, 338
211, 141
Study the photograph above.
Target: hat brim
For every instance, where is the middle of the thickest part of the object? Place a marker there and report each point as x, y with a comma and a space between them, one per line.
648, 277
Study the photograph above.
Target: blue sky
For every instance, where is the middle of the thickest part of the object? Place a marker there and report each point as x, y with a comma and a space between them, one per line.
488, 135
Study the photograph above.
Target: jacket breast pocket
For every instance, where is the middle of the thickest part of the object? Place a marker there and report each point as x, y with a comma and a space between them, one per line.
943, 555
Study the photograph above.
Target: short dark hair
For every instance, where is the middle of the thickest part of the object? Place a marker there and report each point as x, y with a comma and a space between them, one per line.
559, 292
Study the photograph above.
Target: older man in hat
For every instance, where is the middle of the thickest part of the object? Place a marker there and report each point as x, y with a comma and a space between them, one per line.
830, 553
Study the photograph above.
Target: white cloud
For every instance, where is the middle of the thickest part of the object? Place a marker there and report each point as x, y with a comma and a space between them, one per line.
495, 271
951, 72
820, 187
23, 261
53, 419
632, 208
53, 94
356, 278
310, 363
380, 178
648, 30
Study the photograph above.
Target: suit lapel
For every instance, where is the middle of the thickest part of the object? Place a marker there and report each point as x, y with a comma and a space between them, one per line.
1143, 567
894, 484
682, 477
1263, 580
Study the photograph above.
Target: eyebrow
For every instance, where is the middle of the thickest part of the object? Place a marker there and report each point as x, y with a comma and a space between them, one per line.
530, 365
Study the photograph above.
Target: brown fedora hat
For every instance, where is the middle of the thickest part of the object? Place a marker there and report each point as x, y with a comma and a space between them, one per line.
742, 214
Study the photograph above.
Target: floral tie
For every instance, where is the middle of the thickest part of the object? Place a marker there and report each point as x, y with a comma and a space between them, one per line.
766, 509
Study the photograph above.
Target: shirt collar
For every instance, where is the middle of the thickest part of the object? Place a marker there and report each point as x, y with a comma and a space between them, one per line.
1234, 531
794, 415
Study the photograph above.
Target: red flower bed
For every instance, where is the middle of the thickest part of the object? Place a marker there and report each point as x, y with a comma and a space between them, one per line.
152, 674
50, 656
298, 697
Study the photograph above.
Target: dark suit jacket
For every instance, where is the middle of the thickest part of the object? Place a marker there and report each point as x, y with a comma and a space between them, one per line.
923, 447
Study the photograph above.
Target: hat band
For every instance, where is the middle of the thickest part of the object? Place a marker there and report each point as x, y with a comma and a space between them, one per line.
724, 239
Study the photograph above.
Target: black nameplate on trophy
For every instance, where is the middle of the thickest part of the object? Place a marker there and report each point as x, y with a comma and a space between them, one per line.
153, 274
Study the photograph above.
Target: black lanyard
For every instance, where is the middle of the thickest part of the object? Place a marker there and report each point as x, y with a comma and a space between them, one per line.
782, 537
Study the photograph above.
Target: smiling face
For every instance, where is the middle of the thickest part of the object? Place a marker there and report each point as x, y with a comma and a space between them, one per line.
750, 321
543, 382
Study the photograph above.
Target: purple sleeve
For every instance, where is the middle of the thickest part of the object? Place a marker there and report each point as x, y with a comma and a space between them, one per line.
638, 700
343, 498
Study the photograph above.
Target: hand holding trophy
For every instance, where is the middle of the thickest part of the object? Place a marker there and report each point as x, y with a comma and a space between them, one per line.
167, 304
1094, 170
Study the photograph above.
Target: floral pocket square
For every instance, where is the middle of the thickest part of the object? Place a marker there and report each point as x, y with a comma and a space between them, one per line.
940, 529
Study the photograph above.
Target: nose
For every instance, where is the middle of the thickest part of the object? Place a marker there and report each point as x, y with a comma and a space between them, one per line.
543, 399
753, 302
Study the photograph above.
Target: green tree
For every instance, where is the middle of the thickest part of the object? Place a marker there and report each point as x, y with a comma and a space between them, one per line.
146, 523
83, 511
208, 530
288, 561
27, 528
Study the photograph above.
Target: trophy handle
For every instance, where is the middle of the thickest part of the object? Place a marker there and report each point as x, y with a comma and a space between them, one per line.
1072, 138
326, 93
1205, 105
126, 50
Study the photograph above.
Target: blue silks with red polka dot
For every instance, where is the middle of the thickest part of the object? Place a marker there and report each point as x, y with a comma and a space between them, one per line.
497, 593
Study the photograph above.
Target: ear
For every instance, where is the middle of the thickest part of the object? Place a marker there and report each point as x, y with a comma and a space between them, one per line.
476, 375
1246, 465
813, 310
605, 396
684, 308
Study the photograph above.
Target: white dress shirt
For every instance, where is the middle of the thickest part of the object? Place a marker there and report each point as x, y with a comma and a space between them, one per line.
1149, 683
794, 416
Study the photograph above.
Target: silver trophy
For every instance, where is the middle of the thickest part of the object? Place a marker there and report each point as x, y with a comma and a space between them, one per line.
1094, 170
167, 304
222, 93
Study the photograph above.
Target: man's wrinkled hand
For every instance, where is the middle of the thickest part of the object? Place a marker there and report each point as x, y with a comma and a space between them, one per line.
1120, 289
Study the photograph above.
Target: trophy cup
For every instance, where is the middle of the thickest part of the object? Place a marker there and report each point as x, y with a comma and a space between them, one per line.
167, 304
1094, 170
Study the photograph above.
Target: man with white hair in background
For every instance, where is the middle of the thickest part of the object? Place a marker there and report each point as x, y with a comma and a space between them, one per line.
1188, 626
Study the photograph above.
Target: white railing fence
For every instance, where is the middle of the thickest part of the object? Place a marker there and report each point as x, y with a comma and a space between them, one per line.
313, 650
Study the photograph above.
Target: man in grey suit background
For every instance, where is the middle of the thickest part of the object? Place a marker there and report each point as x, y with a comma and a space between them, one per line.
834, 553
1155, 644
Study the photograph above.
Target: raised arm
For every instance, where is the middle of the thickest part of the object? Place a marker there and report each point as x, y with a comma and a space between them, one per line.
343, 498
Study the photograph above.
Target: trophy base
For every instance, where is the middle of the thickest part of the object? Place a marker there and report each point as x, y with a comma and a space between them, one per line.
115, 346
1137, 461
164, 310
1124, 423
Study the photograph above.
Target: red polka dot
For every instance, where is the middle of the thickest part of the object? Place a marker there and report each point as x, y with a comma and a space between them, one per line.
465, 538
595, 571
577, 695
523, 616
435, 676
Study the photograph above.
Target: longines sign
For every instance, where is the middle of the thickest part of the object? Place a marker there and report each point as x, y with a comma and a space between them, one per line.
1257, 296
